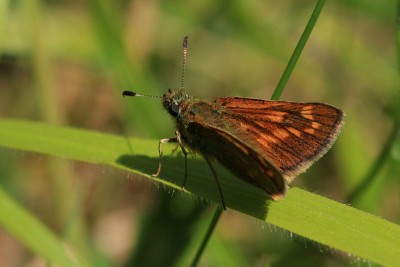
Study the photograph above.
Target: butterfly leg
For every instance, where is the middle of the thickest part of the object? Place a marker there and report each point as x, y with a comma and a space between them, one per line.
216, 179
162, 141
179, 140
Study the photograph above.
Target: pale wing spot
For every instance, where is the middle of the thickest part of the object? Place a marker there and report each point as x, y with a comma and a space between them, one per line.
276, 116
275, 138
315, 125
308, 116
309, 131
262, 140
266, 141
281, 133
294, 131
307, 110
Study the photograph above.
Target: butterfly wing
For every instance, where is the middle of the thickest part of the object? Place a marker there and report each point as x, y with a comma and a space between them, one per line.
243, 161
292, 136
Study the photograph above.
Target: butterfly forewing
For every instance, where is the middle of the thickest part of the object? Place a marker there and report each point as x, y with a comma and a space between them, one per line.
290, 135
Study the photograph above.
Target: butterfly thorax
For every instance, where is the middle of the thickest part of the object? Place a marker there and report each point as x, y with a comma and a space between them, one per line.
187, 110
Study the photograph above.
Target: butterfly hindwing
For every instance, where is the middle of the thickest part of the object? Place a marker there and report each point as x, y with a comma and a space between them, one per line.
290, 135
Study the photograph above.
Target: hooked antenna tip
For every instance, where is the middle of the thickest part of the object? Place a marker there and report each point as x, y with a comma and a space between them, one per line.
185, 41
129, 93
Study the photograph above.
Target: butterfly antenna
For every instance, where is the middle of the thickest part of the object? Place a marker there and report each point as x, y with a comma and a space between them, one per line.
184, 53
130, 93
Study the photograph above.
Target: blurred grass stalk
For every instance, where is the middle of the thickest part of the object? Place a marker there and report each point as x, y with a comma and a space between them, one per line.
67, 194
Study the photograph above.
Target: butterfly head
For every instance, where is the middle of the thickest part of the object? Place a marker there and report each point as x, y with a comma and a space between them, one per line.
172, 101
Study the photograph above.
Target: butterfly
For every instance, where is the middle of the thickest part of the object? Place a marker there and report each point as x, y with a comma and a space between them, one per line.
265, 143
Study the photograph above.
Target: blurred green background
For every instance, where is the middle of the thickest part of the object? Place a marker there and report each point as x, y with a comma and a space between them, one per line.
67, 62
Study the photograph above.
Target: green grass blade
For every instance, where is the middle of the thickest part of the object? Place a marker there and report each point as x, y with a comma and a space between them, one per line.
32, 233
210, 230
337, 225
306, 214
298, 50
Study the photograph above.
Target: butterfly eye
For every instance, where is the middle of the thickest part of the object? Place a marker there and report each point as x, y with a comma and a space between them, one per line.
174, 109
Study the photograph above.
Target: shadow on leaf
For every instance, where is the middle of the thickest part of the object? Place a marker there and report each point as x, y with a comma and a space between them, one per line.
238, 194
